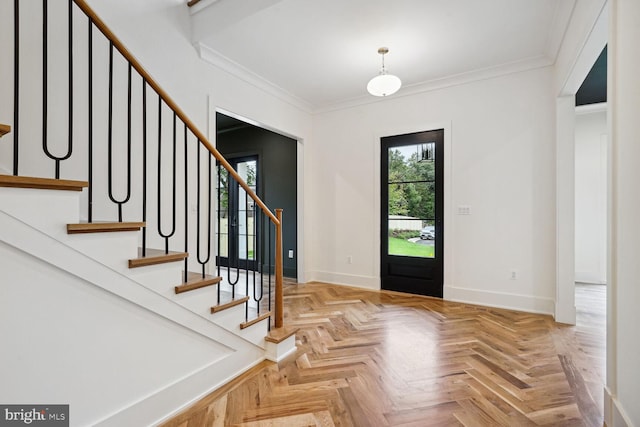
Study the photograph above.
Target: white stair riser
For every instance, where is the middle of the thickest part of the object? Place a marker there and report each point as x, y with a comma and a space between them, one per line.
112, 249
231, 318
46, 210
161, 278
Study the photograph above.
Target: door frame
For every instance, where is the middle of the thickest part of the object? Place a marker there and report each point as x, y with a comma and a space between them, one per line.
448, 219
214, 108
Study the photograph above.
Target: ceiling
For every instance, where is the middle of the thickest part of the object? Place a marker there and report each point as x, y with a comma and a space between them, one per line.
321, 54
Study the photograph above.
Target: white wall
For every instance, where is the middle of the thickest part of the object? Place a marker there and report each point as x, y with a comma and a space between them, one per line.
623, 98
500, 162
591, 195
68, 342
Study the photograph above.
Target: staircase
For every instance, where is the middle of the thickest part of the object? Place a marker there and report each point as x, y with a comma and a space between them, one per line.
114, 247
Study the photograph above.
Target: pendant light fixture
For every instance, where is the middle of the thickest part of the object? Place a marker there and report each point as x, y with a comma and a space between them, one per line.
383, 84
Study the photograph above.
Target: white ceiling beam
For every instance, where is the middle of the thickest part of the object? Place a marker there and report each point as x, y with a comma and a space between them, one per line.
211, 16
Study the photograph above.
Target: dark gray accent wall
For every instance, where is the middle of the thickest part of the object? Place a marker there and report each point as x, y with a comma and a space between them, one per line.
594, 88
277, 175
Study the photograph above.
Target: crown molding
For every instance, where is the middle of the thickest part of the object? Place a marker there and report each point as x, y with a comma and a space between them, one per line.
450, 81
222, 62
559, 27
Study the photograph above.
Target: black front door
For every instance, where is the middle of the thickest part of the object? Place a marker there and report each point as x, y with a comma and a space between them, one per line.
237, 228
412, 195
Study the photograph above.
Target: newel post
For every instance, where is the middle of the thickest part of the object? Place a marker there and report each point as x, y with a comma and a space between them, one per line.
279, 321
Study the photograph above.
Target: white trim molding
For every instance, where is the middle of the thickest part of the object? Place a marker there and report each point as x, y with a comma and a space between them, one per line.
614, 414
505, 300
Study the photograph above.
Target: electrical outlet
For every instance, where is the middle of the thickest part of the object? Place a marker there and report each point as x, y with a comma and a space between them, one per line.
290, 253
514, 274
349, 259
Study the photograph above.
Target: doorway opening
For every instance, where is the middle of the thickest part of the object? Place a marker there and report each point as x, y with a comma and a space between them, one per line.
267, 161
591, 177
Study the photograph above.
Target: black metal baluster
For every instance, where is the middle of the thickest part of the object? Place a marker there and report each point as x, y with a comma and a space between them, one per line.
255, 262
198, 235
186, 206
119, 203
269, 260
44, 73
144, 166
233, 283
166, 236
246, 249
70, 55
90, 136
219, 224
16, 84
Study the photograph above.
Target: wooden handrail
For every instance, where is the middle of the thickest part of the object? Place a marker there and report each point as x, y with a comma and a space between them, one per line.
82, 4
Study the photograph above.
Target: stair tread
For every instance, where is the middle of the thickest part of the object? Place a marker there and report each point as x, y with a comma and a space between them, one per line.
255, 320
196, 281
41, 183
225, 305
277, 335
4, 129
156, 256
103, 227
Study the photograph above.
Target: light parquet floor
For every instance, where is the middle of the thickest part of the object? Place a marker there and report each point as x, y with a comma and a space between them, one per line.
388, 359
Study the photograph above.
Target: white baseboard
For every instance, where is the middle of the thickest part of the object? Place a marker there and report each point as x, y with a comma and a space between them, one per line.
365, 282
524, 303
614, 414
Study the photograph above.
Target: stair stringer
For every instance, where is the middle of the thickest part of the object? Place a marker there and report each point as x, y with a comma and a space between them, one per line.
239, 354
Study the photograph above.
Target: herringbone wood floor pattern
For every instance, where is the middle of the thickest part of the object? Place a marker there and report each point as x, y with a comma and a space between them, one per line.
388, 359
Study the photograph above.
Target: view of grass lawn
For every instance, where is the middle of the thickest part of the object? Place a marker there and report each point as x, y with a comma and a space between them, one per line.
405, 248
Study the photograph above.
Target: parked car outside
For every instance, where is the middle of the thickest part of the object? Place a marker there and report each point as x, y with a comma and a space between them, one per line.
428, 233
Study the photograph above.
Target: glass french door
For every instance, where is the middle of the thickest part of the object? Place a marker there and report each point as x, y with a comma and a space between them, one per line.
412, 195
236, 215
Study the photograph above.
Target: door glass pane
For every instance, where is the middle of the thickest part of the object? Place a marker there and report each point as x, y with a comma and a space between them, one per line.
247, 171
223, 212
411, 198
